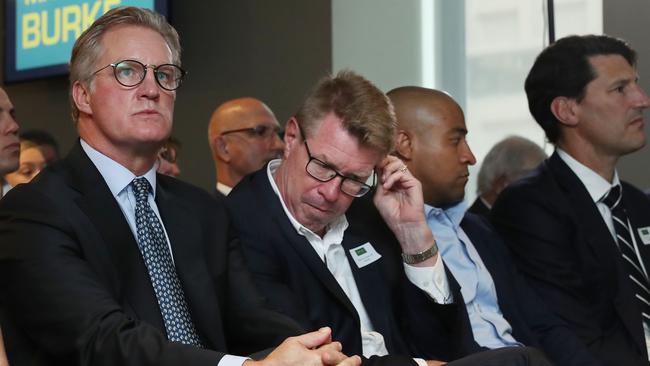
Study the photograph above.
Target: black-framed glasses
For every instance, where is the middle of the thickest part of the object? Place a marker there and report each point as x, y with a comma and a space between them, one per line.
130, 73
321, 171
264, 131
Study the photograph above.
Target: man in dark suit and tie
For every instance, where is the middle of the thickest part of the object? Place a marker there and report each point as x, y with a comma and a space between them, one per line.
103, 262
502, 310
579, 233
323, 254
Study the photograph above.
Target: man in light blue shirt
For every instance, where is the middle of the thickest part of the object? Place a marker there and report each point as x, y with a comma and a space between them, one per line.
502, 310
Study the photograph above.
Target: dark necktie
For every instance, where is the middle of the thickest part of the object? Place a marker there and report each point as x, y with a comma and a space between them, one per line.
627, 247
157, 257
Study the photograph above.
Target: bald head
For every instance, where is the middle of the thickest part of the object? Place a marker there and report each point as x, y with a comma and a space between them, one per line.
431, 141
417, 108
238, 113
243, 137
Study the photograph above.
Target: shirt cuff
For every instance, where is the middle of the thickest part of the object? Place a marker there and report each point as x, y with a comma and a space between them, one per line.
432, 280
230, 360
420, 362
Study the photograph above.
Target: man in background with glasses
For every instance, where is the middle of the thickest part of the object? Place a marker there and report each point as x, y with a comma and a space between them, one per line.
322, 252
244, 135
104, 262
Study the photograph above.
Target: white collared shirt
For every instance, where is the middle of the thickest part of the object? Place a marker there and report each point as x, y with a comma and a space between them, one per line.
224, 189
596, 186
332, 253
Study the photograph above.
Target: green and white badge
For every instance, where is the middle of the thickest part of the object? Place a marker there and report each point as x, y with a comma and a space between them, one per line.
644, 234
364, 254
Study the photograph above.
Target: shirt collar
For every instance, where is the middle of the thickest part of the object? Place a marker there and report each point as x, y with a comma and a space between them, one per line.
337, 226
454, 213
596, 185
223, 188
116, 176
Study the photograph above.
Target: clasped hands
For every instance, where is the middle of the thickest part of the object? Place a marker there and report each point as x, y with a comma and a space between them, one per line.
314, 348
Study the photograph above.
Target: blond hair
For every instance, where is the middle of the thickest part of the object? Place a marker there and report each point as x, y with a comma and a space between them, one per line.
364, 110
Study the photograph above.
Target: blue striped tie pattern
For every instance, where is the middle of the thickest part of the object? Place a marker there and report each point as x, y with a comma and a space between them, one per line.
629, 251
156, 253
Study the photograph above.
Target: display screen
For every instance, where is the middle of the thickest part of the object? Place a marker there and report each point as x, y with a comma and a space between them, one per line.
41, 33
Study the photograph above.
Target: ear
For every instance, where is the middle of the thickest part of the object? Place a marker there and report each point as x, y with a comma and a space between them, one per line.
292, 137
81, 97
565, 110
221, 148
403, 147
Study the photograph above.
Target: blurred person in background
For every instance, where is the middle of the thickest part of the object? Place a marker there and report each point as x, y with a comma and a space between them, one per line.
509, 160
168, 158
45, 141
244, 135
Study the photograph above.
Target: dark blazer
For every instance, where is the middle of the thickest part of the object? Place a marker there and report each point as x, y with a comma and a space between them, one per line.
532, 323
479, 208
76, 290
298, 283
561, 243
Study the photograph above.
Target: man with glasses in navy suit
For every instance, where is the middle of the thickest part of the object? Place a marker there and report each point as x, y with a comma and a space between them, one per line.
323, 252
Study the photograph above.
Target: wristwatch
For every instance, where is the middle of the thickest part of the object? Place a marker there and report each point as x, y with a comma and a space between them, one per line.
420, 257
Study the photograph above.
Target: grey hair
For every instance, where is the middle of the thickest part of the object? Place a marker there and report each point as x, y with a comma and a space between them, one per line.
88, 49
508, 158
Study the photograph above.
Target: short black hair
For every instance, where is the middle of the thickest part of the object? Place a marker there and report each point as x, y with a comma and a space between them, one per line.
563, 69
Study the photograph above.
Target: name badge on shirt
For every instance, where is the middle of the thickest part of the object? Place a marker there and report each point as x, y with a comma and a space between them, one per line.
364, 254
644, 234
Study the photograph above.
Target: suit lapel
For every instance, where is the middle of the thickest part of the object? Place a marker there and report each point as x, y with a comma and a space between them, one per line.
288, 233
369, 282
590, 222
126, 265
184, 232
588, 218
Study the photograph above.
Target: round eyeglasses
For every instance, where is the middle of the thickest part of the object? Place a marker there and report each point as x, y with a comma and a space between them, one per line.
130, 73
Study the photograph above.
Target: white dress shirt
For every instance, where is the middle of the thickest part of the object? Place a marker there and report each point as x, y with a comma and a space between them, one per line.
332, 253
118, 178
224, 189
598, 187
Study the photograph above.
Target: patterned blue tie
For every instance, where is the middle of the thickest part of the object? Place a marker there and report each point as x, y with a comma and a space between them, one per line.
157, 257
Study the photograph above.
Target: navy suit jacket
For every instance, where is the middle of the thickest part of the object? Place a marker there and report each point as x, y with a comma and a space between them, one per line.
297, 282
76, 291
563, 246
479, 208
532, 323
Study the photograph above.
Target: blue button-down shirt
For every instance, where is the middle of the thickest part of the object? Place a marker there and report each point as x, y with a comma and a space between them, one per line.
490, 328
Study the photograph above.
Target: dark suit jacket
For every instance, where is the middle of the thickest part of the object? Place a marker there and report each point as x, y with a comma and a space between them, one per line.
298, 283
479, 208
532, 323
76, 290
561, 243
